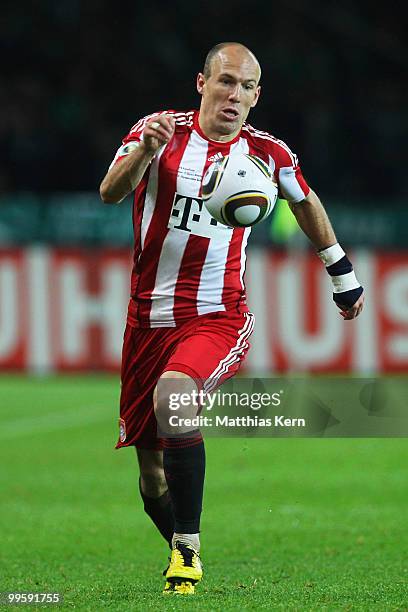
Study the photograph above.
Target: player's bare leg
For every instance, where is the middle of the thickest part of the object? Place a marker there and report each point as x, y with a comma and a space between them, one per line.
154, 491
184, 467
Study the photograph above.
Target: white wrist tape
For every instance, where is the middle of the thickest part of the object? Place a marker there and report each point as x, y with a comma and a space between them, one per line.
331, 255
341, 282
345, 282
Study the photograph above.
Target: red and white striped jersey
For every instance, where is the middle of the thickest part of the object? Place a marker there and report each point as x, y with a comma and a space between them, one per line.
185, 263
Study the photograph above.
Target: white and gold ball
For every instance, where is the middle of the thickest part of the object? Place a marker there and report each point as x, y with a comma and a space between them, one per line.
239, 190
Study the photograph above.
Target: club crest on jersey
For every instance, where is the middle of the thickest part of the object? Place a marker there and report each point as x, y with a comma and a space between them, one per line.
188, 214
122, 430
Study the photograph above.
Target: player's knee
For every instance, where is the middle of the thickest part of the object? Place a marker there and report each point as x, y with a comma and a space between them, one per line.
169, 389
153, 481
152, 478
174, 399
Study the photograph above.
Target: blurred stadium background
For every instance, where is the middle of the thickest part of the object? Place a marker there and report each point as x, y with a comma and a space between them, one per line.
77, 76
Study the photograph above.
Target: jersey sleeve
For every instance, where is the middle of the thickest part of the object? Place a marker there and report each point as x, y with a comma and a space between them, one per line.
291, 183
132, 139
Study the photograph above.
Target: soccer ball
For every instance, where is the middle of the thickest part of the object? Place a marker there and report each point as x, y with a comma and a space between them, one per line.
239, 190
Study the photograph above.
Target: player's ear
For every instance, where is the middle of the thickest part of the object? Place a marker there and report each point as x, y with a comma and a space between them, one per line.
257, 94
200, 83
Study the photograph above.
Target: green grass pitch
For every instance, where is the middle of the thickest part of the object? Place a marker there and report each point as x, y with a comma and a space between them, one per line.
288, 524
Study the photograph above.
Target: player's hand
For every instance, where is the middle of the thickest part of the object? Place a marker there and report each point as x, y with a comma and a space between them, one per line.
354, 311
158, 132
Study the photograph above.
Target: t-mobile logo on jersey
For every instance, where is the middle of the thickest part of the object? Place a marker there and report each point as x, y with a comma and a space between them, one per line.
188, 214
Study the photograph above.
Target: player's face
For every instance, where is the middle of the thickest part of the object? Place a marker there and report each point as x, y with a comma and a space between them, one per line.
228, 93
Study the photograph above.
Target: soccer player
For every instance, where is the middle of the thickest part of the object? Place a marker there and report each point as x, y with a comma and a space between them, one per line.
188, 323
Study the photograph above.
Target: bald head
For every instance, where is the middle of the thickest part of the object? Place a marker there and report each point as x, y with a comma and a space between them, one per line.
229, 88
226, 49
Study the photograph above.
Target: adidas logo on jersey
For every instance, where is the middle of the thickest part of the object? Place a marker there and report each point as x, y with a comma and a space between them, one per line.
215, 157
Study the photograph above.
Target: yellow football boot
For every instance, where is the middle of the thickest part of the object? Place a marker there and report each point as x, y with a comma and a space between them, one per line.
181, 587
184, 571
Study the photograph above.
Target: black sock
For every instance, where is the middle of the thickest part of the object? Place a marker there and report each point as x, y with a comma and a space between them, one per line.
184, 467
160, 511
